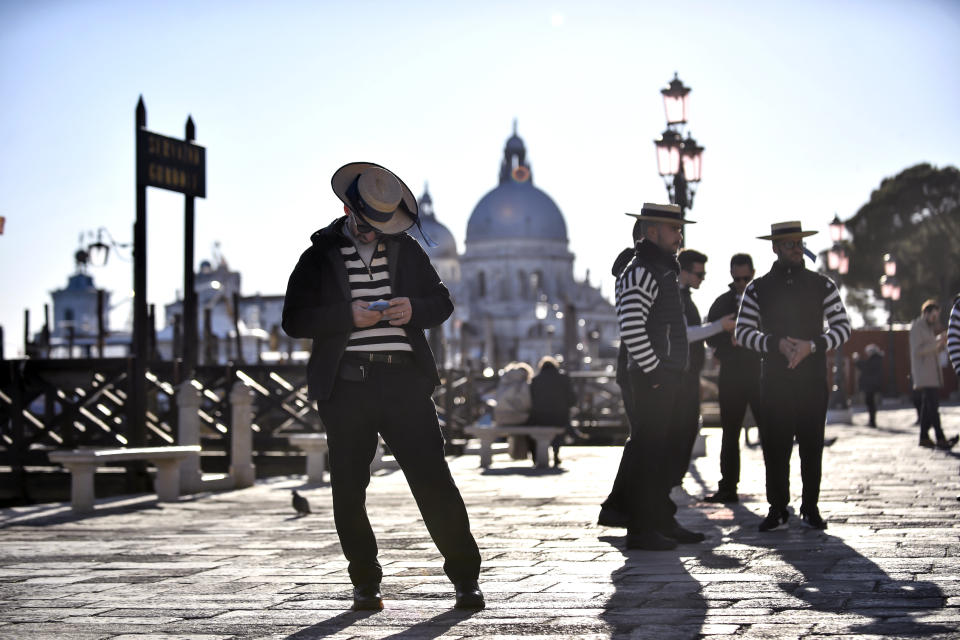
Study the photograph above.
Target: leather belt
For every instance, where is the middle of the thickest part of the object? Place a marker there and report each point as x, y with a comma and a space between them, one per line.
383, 358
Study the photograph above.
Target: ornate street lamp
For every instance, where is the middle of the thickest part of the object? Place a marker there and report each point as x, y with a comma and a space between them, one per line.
679, 159
838, 263
890, 291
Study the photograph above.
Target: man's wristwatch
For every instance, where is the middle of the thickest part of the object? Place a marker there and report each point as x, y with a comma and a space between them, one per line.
813, 346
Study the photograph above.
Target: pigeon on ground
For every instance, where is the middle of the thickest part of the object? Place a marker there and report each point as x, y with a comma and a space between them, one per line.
300, 503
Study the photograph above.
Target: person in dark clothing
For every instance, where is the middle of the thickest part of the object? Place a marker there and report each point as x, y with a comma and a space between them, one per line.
551, 397
652, 330
687, 409
739, 381
782, 318
871, 378
364, 292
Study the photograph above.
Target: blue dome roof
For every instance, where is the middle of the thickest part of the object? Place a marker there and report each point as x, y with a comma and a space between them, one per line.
516, 210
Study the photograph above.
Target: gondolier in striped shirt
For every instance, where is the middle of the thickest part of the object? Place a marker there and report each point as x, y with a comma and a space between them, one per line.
652, 328
953, 336
792, 316
371, 370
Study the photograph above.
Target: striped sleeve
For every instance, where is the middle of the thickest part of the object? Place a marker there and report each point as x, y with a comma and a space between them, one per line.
747, 331
838, 323
953, 336
636, 291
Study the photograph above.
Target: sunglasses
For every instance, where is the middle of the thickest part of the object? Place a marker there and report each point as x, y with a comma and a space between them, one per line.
790, 244
699, 274
742, 279
362, 226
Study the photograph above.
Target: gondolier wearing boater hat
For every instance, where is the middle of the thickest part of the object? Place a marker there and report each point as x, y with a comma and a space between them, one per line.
364, 292
653, 338
792, 316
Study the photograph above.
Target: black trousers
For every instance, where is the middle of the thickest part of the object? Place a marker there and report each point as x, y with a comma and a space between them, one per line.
792, 407
394, 401
686, 425
930, 413
642, 486
736, 392
870, 397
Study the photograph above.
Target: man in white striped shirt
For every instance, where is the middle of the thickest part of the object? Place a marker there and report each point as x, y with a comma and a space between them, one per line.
782, 316
953, 336
364, 292
652, 327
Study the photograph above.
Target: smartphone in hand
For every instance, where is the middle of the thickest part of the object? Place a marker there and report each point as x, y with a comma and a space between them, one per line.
379, 305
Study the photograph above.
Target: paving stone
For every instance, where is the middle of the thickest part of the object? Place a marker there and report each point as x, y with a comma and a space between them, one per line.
237, 565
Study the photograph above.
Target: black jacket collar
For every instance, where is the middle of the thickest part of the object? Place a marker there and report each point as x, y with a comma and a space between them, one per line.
649, 252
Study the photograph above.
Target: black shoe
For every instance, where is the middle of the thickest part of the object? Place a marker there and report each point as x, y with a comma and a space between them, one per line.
948, 443
650, 540
681, 535
775, 518
723, 496
928, 443
469, 595
811, 515
612, 518
366, 597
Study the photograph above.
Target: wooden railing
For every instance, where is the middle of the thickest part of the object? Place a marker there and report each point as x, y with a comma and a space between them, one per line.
49, 404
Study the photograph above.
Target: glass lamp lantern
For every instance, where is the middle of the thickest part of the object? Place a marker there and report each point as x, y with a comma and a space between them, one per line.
669, 145
692, 159
675, 101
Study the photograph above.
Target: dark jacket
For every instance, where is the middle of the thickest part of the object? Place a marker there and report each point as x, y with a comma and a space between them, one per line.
551, 396
698, 350
734, 359
665, 323
871, 373
791, 304
318, 302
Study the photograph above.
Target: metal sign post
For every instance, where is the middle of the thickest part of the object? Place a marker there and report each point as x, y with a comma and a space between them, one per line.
175, 165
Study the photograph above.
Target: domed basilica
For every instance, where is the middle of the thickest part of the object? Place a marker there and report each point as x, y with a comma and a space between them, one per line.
515, 294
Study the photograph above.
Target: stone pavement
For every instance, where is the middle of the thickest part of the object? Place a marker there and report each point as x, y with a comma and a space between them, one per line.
240, 565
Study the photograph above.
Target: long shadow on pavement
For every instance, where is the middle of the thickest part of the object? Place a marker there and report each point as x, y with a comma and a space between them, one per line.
332, 626
426, 630
655, 597
836, 578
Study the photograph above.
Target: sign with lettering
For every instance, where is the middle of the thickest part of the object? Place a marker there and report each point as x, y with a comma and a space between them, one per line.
171, 164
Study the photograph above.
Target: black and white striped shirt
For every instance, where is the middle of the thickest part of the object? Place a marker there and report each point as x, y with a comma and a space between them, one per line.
749, 334
370, 284
636, 291
953, 336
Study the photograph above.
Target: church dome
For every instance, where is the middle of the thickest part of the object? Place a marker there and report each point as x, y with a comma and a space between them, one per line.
446, 244
516, 208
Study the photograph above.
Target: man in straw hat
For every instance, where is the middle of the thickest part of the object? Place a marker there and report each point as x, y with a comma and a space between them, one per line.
653, 332
364, 292
783, 316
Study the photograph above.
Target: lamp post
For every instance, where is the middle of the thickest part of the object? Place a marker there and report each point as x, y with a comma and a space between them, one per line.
838, 264
890, 290
679, 159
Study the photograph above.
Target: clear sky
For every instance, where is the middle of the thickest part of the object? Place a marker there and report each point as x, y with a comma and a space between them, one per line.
803, 109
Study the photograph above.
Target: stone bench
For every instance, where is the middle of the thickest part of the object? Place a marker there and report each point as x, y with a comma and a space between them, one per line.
488, 433
82, 465
314, 445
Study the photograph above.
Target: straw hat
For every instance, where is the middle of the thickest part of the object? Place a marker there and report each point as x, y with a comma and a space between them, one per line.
377, 195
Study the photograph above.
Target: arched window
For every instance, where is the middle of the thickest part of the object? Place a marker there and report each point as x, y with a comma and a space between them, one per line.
481, 285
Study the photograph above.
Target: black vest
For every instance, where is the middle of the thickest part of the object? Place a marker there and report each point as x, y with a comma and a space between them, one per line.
791, 305
665, 325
